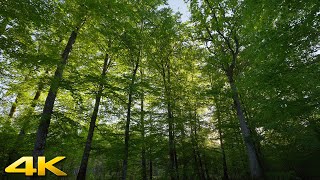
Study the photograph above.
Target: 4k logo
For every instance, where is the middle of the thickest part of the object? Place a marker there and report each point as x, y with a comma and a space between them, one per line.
29, 170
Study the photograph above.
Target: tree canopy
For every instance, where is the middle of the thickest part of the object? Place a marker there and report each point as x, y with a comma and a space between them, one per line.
126, 90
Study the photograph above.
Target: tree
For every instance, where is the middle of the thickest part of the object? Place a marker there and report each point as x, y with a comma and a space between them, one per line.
221, 30
86, 153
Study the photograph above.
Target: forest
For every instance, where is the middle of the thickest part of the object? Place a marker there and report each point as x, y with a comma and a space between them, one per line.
127, 90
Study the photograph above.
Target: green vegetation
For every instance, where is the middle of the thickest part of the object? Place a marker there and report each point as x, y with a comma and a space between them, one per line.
125, 90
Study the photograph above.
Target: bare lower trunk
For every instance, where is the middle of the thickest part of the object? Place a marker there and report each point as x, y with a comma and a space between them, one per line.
173, 167
203, 176
171, 144
85, 157
49, 103
196, 152
143, 164
150, 169
255, 167
127, 130
196, 167
224, 162
206, 167
143, 150
176, 162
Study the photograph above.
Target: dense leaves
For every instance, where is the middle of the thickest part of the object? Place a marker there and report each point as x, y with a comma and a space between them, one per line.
233, 93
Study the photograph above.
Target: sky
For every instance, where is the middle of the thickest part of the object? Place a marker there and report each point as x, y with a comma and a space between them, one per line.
179, 5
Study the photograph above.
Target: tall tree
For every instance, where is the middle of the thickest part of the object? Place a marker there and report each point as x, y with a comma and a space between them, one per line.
49, 103
86, 153
222, 31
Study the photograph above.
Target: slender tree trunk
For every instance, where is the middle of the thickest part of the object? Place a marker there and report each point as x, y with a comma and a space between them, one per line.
127, 130
171, 144
196, 151
150, 169
14, 107
85, 157
184, 159
255, 167
143, 150
195, 157
150, 148
33, 105
239, 143
203, 175
176, 162
20, 137
206, 167
224, 161
16, 101
196, 166
49, 103
173, 157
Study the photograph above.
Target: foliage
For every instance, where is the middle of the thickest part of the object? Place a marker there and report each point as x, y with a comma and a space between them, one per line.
272, 48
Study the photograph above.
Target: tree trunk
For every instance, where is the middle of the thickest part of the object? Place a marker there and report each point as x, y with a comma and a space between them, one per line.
16, 101
85, 157
20, 137
171, 144
127, 130
176, 162
14, 107
196, 162
206, 167
224, 162
184, 159
196, 152
150, 169
143, 150
255, 167
49, 103
203, 176
173, 157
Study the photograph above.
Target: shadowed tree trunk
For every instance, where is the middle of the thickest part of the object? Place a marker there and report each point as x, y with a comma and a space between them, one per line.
255, 167
224, 162
44, 124
203, 176
127, 128
197, 170
206, 166
143, 150
173, 168
150, 169
176, 161
150, 153
85, 157
196, 150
